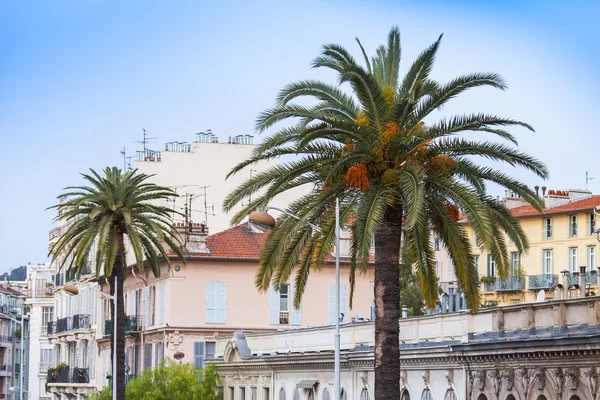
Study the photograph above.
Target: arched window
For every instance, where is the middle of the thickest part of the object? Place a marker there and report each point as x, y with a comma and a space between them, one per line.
450, 395
343, 394
405, 395
326, 395
364, 394
282, 394
311, 394
575, 397
542, 397
482, 397
426, 395
296, 394
511, 397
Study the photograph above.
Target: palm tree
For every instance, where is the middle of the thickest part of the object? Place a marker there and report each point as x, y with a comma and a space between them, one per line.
115, 207
365, 141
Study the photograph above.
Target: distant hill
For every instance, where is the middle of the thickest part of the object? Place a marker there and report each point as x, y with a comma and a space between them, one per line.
17, 274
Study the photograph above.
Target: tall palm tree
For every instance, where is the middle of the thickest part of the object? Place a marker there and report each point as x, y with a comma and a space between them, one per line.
115, 209
364, 140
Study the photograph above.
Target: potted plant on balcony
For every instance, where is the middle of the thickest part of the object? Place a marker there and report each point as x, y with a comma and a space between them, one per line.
82, 375
488, 279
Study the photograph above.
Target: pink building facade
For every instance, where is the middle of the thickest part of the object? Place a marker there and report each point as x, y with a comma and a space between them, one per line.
213, 294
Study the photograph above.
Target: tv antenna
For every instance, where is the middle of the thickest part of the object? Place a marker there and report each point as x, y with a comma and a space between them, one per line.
588, 178
146, 140
124, 154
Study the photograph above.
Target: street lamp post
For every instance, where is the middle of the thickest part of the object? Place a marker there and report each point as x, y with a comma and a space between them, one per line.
263, 219
73, 290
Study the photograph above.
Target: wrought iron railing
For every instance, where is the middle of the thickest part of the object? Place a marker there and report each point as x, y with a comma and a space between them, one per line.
510, 284
81, 321
6, 338
68, 375
544, 281
77, 322
590, 278
133, 324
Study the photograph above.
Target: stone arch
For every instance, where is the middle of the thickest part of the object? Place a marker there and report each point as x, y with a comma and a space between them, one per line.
296, 395
325, 395
364, 394
482, 397
511, 397
404, 394
574, 397
281, 395
426, 395
450, 395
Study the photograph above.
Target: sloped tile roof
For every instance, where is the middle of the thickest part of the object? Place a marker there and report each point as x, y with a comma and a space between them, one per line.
585, 204
239, 241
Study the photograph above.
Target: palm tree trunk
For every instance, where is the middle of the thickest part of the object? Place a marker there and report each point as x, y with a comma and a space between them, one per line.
119, 272
387, 305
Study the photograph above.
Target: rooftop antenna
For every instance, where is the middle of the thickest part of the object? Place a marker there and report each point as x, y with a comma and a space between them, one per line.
588, 178
129, 168
124, 159
146, 140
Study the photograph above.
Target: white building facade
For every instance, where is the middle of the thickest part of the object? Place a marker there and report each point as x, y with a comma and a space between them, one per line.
40, 301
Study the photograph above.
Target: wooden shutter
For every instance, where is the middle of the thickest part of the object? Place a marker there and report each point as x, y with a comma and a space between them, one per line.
344, 303
296, 314
273, 306
199, 354
211, 302
221, 301
161, 296
331, 305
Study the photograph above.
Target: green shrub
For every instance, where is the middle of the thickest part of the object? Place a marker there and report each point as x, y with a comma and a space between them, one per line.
171, 381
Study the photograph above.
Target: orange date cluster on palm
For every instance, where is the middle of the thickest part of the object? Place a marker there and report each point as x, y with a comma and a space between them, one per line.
357, 178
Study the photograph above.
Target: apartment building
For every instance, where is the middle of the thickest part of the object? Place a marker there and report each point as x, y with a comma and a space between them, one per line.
12, 340
563, 248
40, 302
183, 311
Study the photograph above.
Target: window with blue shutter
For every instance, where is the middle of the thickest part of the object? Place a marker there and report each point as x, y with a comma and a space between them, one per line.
273, 306
296, 315
199, 354
216, 302
344, 305
161, 295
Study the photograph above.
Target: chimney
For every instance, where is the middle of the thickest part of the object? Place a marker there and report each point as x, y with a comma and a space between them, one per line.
193, 236
537, 190
543, 190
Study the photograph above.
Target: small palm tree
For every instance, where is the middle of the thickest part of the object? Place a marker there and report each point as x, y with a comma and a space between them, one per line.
365, 141
116, 209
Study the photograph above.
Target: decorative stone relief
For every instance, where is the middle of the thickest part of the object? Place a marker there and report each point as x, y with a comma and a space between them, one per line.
525, 379
403, 378
573, 375
593, 380
559, 381
175, 339
509, 377
539, 376
480, 377
364, 378
495, 377
449, 377
425, 377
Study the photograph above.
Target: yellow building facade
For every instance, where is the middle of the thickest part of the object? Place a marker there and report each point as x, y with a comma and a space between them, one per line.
562, 239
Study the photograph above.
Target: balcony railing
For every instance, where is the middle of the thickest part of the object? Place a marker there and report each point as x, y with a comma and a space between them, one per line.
77, 322
510, 284
6, 338
5, 367
590, 278
133, 324
68, 375
54, 233
544, 281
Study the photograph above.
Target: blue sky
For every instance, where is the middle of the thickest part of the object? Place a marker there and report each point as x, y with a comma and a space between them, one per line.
80, 79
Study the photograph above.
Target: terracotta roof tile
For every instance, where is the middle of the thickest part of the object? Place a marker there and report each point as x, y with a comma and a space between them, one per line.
585, 204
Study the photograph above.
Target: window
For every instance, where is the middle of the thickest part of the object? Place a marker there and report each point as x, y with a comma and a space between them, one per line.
161, 303
280, 305
47, 316
591, 258
592, 223
437, 269
572, 259
426, 395
572, 225
436, 242
203, 351
450, 272
547, 228
326, 395
476, 262
476, 239
343, 304
216, 302
343, 394
515, 301
243, 393
147, 355
232, 393
515, 262
364, 394
46, 359
266, 393
450, 395
491, 266
282, 394
405, 395
254, 393
547, 262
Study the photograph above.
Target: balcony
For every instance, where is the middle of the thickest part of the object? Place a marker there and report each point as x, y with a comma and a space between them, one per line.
45, 292
510, 284
590, 278
6, 338
133, 325
542, 282
68, 375
54, 233
75, 323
